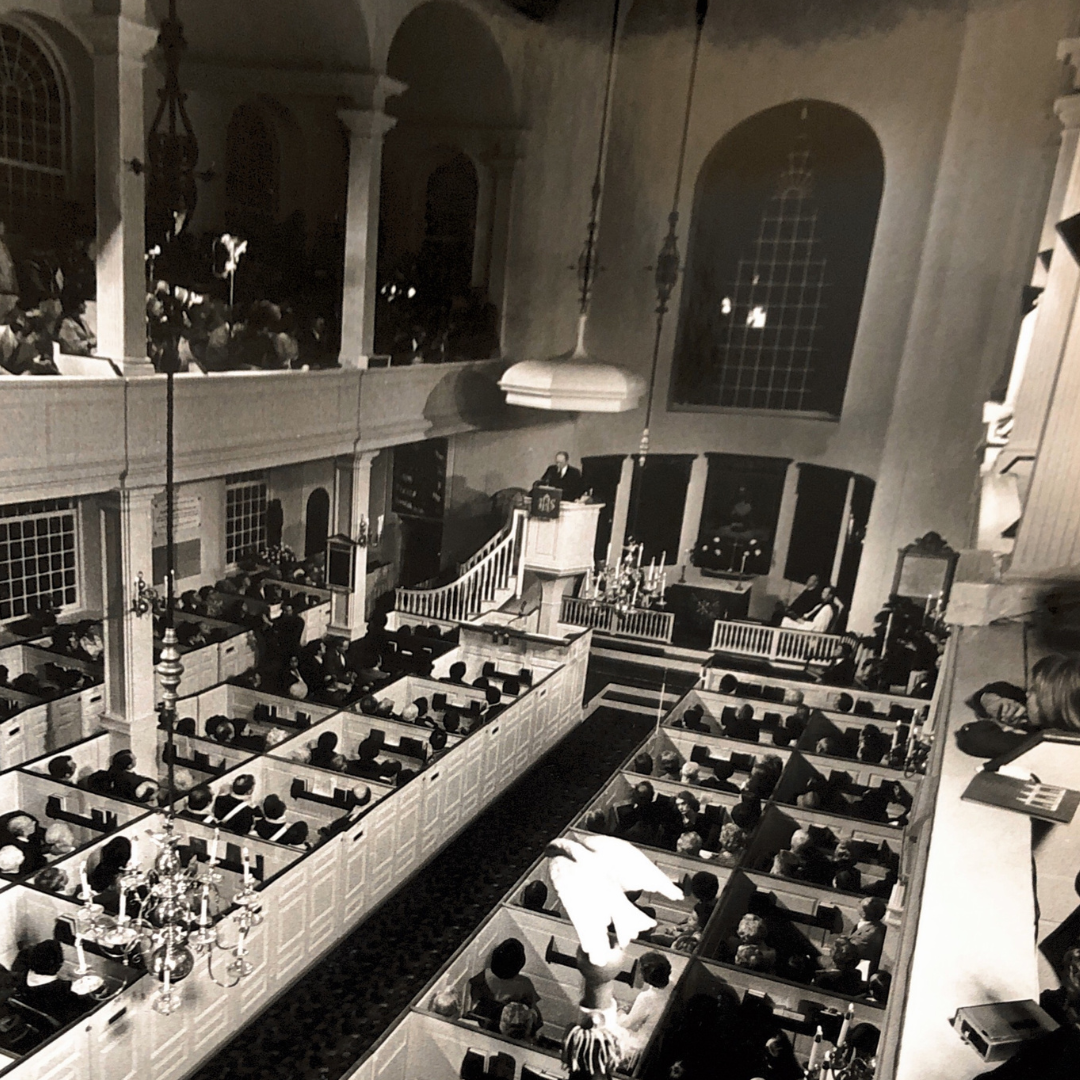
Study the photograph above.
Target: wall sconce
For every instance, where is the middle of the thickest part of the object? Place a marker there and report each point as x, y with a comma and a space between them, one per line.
145, 597
366, 536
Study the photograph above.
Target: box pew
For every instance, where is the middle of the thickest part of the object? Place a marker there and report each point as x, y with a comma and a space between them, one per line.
879, 846
798, 1009
310, 795
845, 736
700, 748
69, 715
550, 950
26, 917
768, 715
816, 695
351, 729
90, 755
421, 1044
89, 816
803, 769
679, 868
24, 733
714, 803
230, 654
800, 918
227, 699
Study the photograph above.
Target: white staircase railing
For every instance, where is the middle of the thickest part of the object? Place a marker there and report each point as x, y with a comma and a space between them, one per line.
641, 623
776, 644
486, 550
499, 570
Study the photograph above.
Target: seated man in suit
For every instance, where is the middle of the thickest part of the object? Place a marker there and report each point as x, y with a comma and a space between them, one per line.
564, 476
742, 725
819, 618
276, 829
233, 811
44, 990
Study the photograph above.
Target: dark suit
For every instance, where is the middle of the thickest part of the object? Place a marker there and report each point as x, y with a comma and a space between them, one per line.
569, 482
235, 815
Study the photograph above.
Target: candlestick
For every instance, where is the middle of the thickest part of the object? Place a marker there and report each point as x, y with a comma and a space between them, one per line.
80, 954
122, 914
204, 909
849, 1016
214, 848
246, 856
817, 1051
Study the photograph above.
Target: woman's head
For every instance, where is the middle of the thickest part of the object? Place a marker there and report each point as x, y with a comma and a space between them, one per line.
1054, 693
655, 969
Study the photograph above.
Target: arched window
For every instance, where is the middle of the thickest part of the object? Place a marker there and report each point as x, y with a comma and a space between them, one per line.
450, 225
33, 131
784, 217
252, 169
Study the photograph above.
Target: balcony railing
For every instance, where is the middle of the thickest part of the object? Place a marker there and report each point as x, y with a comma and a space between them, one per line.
640, 623
775, 644
64, 436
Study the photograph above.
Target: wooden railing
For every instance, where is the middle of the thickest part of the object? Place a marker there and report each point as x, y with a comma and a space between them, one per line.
501, 569
639, 623
775, 644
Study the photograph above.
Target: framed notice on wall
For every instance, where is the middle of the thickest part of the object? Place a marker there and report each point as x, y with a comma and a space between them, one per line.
187, 517
340, 563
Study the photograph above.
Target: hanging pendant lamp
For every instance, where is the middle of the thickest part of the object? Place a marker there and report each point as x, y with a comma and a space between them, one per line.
574, 381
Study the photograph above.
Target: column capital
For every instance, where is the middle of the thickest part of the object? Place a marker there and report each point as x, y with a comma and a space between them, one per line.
366, 123
1068, 51
119, 35
1067, 110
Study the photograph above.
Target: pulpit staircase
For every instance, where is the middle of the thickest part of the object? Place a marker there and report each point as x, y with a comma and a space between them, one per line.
485, 581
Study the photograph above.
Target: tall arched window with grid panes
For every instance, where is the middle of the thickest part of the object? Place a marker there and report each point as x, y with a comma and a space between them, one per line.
784, 217
34, 133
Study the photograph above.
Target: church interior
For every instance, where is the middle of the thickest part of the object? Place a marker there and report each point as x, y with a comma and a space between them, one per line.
539, 539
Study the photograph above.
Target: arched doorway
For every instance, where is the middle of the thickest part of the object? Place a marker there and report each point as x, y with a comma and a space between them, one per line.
317, 523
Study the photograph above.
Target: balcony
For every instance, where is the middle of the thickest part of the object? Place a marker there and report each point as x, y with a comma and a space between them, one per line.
74, 436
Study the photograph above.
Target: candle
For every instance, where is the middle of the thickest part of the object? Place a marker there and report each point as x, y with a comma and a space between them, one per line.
80, 953
204, 909
849, 1016
122, 915
214, 847
817, 1051
165, 966
134, 860
246, 856
85, 891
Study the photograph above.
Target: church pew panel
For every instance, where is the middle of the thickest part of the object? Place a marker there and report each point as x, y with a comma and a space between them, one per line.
803, 767
816, 695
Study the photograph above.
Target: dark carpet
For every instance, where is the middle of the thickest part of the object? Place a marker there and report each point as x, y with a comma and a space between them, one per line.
321, 1025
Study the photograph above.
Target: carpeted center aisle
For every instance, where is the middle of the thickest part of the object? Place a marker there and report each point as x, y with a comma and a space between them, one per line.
326, 1021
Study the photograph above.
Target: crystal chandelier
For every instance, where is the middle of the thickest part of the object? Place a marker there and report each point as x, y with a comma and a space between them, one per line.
626, 585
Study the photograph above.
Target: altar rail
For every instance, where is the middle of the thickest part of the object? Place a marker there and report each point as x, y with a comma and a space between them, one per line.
774, 643
639, 623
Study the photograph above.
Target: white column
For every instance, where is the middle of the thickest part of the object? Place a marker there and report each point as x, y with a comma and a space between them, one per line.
121, 43
695, 503
1056, 303
622, 511
367, 128
353, 485
785, 520
502, 169
845, 528
127, 551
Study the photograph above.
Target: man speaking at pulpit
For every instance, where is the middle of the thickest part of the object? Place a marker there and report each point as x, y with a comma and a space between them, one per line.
564, 476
